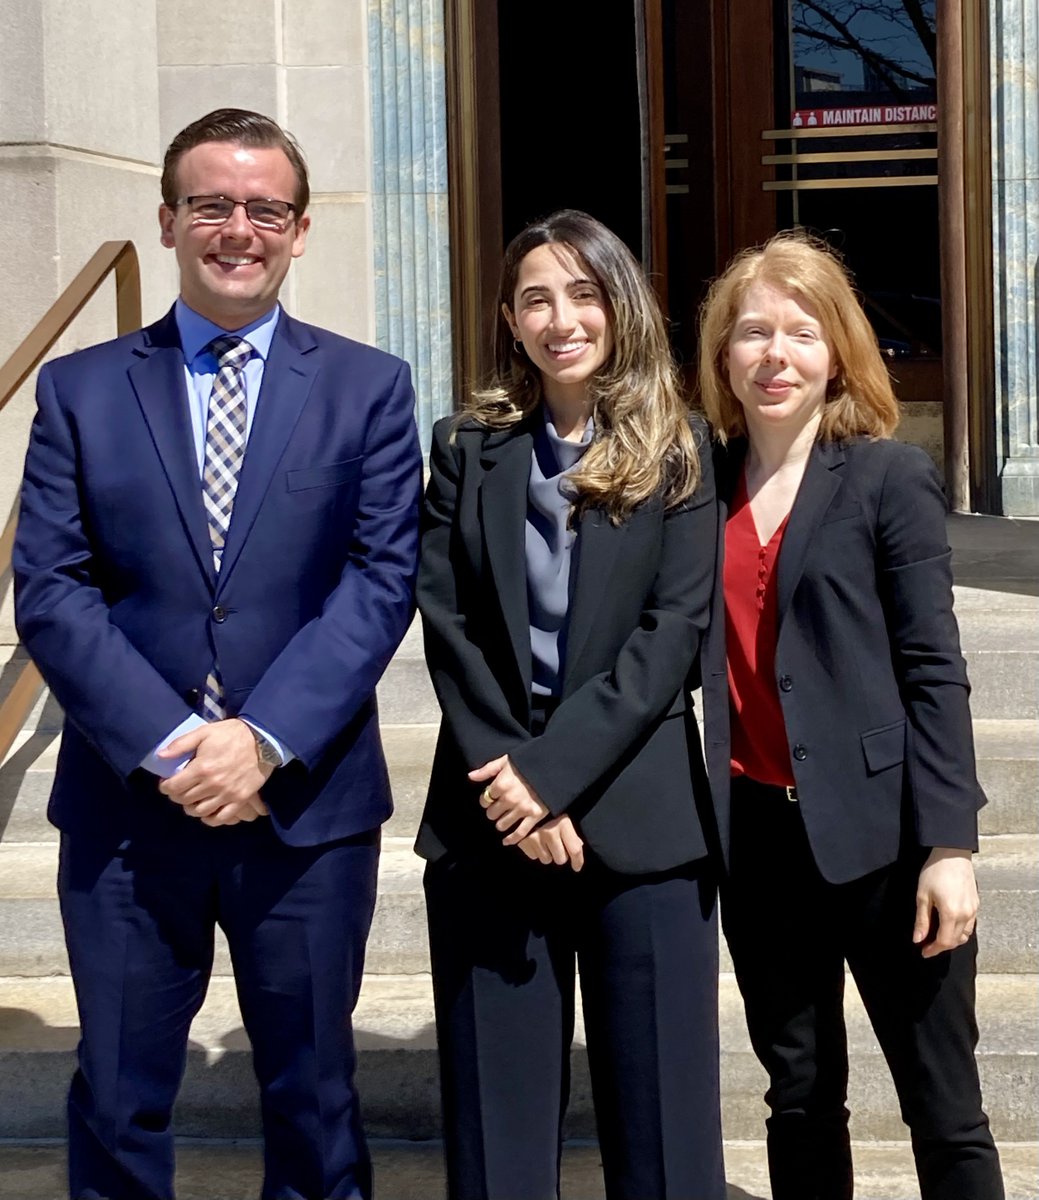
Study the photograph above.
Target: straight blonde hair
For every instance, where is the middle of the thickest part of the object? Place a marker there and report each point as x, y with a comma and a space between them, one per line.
859, 398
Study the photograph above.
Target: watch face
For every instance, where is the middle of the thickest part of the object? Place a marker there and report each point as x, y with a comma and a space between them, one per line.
268, 754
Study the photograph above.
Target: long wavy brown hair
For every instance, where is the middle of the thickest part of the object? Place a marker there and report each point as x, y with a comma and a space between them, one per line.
643, 444
859, 398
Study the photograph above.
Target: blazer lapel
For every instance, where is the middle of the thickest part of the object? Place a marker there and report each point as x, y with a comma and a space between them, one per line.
728, 462
597, 546
288, 376
157, 378
503, 506
821, 480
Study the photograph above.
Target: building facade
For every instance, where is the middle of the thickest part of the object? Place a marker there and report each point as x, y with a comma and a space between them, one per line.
908, 136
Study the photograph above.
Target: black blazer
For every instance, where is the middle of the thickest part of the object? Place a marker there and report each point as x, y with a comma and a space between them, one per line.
620, 751
871, 680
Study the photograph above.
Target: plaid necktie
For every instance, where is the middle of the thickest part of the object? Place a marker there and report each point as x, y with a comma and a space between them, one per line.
225, 448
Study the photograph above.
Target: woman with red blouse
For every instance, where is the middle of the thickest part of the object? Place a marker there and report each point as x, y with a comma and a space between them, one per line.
838, 729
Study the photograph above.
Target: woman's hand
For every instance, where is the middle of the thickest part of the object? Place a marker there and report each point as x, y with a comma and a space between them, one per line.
508, 798
557, 841
948, 889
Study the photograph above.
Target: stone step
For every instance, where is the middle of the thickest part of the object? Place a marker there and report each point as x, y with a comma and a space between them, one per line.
990, 548
397, 1072
999, 633
27, 774
1008, 767
1003, 684
32, 944
976, 600
408, 1170
406, 695
993, 621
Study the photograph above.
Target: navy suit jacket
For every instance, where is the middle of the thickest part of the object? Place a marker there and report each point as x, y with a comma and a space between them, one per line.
118, 603
870, 677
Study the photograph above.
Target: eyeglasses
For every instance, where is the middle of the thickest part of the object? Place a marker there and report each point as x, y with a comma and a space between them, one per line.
215, 210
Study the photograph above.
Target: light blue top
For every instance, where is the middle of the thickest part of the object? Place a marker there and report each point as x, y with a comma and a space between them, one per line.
200, 368
549, 543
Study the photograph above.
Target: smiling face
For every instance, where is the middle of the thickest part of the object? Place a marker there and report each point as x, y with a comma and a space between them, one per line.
779, 361
559, 313
232, 273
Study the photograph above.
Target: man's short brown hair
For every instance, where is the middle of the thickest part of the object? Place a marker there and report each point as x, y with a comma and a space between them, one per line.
242, 128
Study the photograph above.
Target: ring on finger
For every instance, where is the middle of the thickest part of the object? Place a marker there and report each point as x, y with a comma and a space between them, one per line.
486, 799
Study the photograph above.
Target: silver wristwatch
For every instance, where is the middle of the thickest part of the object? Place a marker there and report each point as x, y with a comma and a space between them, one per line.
265, 749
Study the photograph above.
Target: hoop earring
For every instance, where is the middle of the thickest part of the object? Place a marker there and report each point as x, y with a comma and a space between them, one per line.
517, 347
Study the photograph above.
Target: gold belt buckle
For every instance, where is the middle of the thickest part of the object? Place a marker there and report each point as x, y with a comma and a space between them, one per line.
791, 793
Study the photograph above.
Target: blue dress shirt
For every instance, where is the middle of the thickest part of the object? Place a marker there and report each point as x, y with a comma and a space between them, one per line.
200, 369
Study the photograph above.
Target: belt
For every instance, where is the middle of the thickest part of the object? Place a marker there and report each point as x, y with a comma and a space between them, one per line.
786, 790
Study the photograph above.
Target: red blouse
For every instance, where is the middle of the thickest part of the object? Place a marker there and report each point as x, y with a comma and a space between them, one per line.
759, 741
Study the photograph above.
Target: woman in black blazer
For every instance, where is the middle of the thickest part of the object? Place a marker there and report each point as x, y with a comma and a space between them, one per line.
838, 731
565, 580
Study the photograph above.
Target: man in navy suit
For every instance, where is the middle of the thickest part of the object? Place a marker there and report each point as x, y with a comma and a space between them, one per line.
214, 564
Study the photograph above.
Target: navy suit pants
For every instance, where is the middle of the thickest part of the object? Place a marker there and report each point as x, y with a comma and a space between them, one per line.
504, 937
790, 933
140, 918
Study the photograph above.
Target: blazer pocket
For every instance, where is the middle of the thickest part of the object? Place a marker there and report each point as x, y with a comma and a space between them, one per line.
843, 512
884, 747
331, 475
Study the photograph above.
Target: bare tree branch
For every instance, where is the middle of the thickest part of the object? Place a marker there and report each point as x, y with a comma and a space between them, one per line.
924, 29
893, 72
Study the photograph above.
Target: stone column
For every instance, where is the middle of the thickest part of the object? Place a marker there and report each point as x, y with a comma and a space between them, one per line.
361, 85
410, 213
1014, 35
79, 155
304, 63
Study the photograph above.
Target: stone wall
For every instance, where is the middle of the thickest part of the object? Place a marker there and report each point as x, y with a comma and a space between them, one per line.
92, 92
1015, 249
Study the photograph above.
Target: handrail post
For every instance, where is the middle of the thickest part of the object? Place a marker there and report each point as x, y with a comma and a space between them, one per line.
119, 258
127, 291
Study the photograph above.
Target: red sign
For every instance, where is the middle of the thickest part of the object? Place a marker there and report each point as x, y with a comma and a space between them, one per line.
871, 114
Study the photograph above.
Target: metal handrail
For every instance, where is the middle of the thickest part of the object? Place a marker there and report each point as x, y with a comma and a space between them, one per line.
119, 258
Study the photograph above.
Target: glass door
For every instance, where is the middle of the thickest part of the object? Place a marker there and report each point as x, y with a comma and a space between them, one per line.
854, 159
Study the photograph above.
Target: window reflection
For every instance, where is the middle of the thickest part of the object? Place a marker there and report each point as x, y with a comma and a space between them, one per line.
869, 64
863, 53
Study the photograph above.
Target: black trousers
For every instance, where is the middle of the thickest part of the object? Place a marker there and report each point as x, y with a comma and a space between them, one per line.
504, 936
790, 932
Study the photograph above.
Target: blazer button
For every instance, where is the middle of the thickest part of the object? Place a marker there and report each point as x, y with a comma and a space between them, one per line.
800, 753
785, 683
219, 614
192, 696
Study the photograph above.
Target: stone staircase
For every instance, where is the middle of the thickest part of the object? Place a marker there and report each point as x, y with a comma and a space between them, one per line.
998, 607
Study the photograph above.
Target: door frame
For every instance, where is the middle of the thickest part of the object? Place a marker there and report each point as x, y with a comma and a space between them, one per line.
474, 184
743, 48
